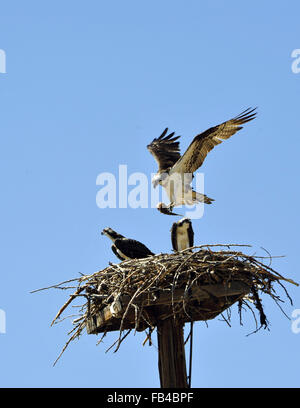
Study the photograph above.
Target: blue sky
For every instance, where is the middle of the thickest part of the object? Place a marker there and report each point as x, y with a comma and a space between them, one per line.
88, 86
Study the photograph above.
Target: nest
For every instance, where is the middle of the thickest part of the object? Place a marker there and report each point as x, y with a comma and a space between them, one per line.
188, 285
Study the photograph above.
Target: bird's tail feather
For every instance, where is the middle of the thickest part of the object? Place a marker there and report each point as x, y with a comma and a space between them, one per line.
201, 198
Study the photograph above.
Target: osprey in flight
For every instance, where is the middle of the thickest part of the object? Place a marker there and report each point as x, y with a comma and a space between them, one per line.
125, 248
182, 234
175, 172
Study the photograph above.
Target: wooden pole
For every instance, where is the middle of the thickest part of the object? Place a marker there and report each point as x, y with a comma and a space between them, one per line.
171, 354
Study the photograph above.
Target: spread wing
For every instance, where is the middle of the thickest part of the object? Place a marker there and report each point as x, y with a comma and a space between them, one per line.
165, 150
132, 248
203, 143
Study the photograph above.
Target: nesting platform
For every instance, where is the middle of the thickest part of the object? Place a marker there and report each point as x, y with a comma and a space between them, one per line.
196, 284
197, 303
191, 286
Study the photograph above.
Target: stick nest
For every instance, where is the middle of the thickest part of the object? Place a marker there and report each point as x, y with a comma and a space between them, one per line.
188, 285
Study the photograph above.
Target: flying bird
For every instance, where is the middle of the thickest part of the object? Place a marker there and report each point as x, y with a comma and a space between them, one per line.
175, 172
126, 248
182, 234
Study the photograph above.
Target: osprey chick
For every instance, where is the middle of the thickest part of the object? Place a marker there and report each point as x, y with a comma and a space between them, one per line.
126, 248
175, 172
182, 234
